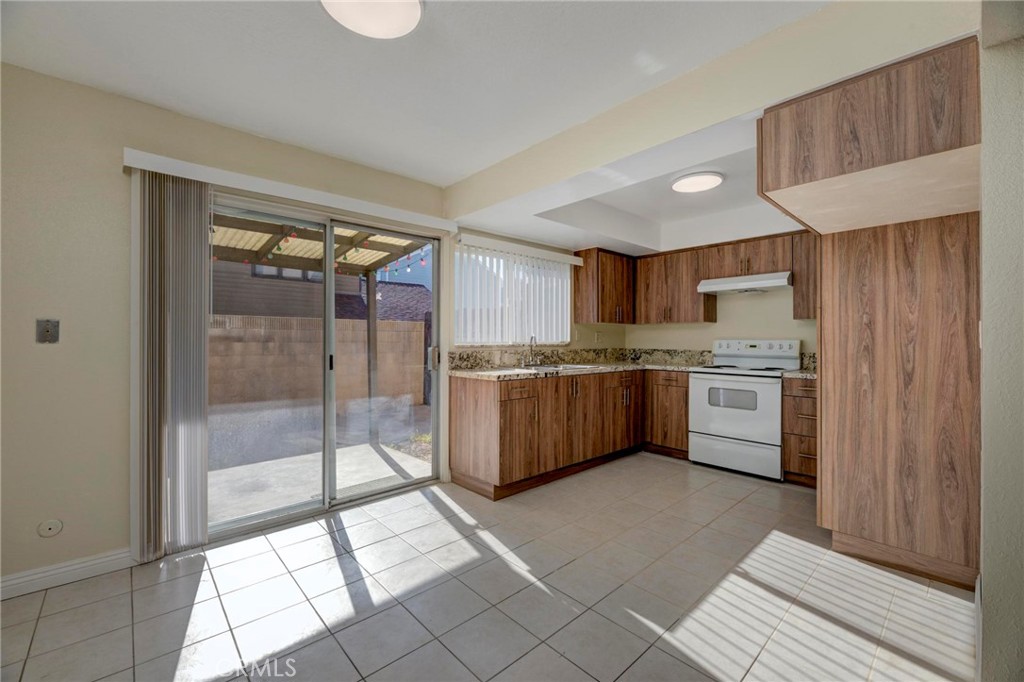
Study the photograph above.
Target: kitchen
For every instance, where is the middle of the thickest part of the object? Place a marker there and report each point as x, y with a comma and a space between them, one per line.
662, 351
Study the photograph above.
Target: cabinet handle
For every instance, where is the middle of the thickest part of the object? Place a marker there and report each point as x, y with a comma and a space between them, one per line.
805, 455
807, 416
627, 397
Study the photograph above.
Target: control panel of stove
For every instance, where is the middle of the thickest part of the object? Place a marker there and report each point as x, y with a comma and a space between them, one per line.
759, 347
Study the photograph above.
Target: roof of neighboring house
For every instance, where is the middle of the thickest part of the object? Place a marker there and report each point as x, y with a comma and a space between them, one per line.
395, 301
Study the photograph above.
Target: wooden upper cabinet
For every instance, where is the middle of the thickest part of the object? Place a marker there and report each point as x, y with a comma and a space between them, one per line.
603, 288
897, 144
666, 290
773, 254
806, 254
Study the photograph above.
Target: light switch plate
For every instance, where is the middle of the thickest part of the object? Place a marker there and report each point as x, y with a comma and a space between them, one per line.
47, 331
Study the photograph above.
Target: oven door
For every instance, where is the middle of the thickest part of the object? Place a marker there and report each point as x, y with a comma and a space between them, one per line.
743, 407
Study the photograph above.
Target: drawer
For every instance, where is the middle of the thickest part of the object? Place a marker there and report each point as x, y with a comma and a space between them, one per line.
622, 379
800, 416
668, 378
800, 388
800, 454
520, 388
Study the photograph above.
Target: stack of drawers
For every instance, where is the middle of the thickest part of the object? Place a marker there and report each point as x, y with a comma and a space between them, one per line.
800, 430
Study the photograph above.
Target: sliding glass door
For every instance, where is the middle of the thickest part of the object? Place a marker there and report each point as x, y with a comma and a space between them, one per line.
320, 382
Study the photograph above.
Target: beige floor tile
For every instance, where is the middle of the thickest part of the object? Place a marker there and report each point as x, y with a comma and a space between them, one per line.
497, 580
616, 560
672, 584
246, 572
575, 539
504, 537
228, 551
341, 519
279, 633
381, 639
430, 662
172, 595
210, 660
583, 583
694, 560
408, 519
673, 527
541, 609
598, 646
308, 552
433, 535
489, 643
82, 622
178, 629
352, 603
412, 577
538, 558
446, 606
386, 506
262, 599
384, 554
657, 666
21, 609
324, 576
645, 615
296, 533
15, 641
354, 537
543, 663
721, 544
86, 591
322, 660
12, 671
460, 556
168, 568
89, 659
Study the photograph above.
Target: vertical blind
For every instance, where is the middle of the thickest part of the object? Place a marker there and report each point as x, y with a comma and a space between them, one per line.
174, 280
504, 298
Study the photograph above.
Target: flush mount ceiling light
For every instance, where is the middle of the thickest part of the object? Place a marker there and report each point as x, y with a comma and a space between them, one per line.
697, 182
383, 19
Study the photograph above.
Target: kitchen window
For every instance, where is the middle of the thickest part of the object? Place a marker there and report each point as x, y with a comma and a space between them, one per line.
504, 297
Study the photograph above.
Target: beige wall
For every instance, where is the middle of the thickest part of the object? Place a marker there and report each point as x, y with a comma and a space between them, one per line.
1002, 360
740, 316
66, 222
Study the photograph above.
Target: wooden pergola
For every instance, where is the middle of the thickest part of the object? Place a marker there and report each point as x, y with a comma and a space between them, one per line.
356, 252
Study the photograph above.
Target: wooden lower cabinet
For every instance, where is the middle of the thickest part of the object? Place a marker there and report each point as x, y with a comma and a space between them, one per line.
899, 457
668, 409
800, 431
505, 434
518, 439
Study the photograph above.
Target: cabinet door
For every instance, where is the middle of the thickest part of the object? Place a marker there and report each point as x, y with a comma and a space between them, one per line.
805, 275
555, 395
682, 274
726, 260
668, 416
768, 255
518, 439
616, 419
586, 418
651, 290
615, 284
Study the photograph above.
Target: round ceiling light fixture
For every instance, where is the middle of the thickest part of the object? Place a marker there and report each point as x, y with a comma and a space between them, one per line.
697, 182
382, 19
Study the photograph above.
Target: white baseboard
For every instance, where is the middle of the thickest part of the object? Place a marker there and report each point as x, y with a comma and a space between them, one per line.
17, 584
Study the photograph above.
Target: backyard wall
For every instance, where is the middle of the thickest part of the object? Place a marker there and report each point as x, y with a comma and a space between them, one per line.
258, 358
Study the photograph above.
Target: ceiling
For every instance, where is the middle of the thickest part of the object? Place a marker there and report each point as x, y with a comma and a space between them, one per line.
475, 83
654, 200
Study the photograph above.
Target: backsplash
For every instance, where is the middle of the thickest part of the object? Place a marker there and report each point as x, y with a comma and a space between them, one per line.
491, 358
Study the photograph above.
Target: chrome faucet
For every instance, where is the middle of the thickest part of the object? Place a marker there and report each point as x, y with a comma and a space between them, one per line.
533, 350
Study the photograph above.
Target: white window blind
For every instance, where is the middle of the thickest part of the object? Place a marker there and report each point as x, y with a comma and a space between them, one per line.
504, 298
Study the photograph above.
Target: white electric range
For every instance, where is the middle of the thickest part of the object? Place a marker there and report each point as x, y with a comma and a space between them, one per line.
736, 405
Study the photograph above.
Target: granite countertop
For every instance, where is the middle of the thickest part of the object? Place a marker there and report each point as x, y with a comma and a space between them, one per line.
512, 373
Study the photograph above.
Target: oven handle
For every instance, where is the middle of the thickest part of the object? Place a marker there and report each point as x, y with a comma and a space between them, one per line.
727, 378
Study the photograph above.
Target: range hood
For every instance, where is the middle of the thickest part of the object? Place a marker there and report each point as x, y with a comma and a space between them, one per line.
746, 283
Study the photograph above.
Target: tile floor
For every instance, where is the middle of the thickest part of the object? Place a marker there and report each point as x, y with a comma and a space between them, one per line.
642, 569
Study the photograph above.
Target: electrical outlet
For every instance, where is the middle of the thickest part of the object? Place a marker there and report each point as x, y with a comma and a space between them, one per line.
47, 331
598, 337
47, 529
